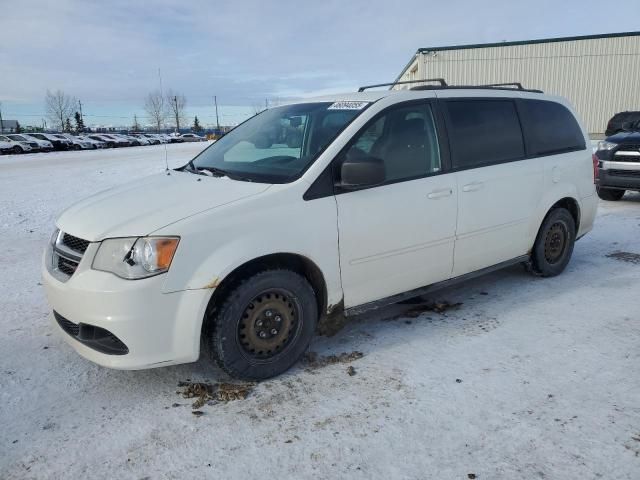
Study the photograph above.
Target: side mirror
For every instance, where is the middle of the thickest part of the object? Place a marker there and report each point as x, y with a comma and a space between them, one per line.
361, 171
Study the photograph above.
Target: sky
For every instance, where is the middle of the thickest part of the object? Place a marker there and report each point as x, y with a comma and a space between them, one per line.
108, 53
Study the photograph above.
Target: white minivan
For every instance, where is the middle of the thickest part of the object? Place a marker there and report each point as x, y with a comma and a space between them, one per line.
325, 207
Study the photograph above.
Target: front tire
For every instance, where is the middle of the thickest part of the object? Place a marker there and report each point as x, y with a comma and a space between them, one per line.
554, 243
610, 194
16, 150
263, 325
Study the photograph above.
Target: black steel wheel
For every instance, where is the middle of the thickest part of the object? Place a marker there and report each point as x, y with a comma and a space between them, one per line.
263, 325
554, 244
269, 324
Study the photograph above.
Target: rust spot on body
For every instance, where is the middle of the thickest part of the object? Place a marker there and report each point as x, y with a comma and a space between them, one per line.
213, 283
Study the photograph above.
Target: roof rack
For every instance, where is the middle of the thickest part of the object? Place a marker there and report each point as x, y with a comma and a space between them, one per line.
441, 81
442, 84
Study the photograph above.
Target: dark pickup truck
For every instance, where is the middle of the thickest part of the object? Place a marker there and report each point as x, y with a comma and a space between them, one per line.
619, 164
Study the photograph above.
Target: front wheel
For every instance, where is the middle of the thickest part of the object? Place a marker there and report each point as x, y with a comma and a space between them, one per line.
16, 150
264, 325
610, 194
554, 243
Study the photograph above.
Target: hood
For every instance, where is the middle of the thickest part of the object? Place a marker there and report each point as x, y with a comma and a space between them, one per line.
139, 208
625, 137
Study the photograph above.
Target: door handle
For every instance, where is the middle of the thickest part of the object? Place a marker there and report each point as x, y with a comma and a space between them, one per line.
445, 192
472, 187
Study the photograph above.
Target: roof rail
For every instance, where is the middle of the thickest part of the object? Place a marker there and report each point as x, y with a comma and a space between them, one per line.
441, 81
493, 86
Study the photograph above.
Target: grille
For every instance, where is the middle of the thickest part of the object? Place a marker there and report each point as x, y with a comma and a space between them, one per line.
71, 328
629, 147
75, 243
625, 173
66, 266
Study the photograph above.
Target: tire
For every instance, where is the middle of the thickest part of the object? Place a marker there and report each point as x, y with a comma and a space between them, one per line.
610, 194
16, 150
253, 309
554, 243
77, 147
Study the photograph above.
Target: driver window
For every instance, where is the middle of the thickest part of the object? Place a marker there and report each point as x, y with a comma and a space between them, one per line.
405, 139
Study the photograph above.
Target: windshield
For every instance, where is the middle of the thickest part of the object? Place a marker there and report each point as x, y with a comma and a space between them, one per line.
277, 145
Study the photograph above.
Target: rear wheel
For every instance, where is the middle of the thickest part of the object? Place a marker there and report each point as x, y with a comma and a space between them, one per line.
611, 194
264, 325
554, 243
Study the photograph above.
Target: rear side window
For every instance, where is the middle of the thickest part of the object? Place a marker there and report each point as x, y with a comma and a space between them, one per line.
550, 128
483, 132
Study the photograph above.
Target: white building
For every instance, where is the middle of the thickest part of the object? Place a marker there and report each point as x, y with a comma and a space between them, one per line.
599, 74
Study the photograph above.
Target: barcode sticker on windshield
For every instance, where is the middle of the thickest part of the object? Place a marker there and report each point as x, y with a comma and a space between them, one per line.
345, 105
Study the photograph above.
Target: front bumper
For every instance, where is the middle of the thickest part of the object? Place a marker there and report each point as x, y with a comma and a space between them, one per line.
619, 175
156, 328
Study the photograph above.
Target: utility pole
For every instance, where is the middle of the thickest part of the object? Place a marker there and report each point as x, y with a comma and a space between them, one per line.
80, 105
1, 122
215, 101
266, 103
175, 100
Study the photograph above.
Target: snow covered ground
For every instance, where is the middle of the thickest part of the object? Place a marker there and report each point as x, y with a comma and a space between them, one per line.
528, 378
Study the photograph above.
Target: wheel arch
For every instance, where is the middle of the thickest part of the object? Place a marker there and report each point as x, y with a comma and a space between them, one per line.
570, 204
283, 260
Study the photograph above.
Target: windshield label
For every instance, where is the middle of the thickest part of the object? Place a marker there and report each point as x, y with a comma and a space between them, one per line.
345, 105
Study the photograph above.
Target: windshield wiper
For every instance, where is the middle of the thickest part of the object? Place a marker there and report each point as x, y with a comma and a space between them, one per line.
216, 172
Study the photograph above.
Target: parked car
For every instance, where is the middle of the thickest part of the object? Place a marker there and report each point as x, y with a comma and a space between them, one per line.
109, 142
16, 146
96, 143
619, 121
137, 140
619, 163
192, 137
117, 141
33, 143
58, 143
319, 209
175, 138
154, 139
45, 145
76, 142
145, 138
5, 147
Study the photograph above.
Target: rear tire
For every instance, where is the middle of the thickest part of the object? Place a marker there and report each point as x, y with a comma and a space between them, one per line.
554, 243
263, 325
610, 194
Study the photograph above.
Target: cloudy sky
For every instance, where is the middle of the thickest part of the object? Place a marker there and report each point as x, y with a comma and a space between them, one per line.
107, 53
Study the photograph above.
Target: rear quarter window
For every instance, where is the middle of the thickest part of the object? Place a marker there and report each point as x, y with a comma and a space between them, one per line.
550, 128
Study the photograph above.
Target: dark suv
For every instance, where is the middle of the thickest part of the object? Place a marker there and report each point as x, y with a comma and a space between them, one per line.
619, 163
618, 121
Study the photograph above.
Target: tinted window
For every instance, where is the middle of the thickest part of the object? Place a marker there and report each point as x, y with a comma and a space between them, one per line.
405, 139
550, 128
484, 132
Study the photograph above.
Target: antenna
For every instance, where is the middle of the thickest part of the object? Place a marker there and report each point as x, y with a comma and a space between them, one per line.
166, 159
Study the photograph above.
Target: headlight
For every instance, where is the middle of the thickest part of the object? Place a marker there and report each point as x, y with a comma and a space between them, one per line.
133, 258
604, 145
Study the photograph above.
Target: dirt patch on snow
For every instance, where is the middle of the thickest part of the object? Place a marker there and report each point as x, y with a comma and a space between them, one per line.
628, 257
313, 360
214, 392
440, 307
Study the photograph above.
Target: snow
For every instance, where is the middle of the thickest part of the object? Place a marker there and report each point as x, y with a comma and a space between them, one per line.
547, 370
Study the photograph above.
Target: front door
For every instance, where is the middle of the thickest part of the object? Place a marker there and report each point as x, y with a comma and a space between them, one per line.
400, 235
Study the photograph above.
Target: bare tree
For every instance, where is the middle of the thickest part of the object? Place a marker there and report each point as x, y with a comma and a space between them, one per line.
155, 108
59, 106
177, 104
